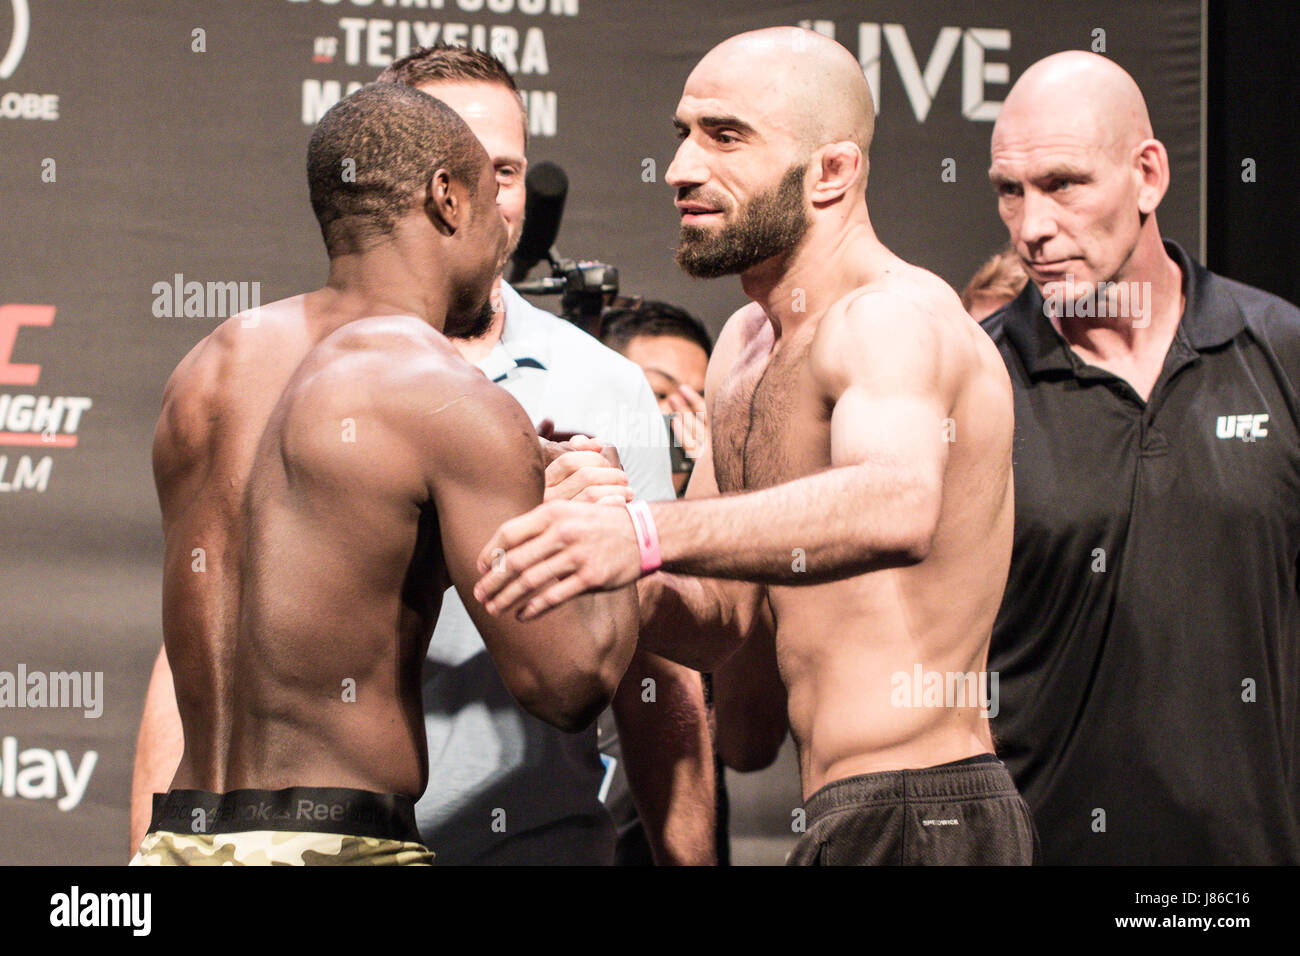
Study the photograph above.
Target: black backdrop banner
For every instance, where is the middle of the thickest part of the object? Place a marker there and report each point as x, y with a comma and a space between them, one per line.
152, 183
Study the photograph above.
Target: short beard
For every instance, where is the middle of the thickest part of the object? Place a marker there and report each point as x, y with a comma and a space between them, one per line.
478, 325
771, 224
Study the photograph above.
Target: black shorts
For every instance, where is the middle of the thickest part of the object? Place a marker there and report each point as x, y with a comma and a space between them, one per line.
967, 812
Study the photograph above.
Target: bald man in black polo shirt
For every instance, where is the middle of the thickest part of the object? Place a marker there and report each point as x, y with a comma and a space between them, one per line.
1148, 644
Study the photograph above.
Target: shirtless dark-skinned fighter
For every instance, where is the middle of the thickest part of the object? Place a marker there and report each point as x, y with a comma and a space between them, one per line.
862, 430
327, 467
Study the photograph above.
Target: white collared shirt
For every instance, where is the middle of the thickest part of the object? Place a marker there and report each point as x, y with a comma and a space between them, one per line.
490, 761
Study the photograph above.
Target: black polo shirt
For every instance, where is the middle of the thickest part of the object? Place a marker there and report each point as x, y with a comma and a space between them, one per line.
1148, 646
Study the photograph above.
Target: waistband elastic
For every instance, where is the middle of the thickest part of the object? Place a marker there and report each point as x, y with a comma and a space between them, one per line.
980, 776
384, 816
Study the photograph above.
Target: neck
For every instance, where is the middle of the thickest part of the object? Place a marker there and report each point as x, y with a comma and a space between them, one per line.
839, 253
1142, 306
388, 280
477, 349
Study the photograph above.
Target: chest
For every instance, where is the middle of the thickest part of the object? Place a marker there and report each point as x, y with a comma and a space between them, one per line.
771, 422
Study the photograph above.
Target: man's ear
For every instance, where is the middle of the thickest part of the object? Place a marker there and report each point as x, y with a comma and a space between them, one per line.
837, 167
1151, 165
444, 203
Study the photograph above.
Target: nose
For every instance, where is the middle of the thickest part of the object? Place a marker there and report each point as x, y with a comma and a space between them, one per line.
687, 167
1037, 218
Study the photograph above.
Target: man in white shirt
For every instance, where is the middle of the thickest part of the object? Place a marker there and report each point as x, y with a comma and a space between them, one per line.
504, 786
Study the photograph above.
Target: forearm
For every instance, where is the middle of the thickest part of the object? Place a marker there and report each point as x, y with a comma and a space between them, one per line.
831, 525
668, 755
158, 748
611, 617
717, 626
688, 620
750, 706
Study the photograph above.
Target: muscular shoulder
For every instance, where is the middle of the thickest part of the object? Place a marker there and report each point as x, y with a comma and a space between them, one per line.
233, 352
396, 366
211, 383
911, 325
432, 405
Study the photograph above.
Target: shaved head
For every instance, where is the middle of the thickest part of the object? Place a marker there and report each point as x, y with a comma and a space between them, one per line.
793, 80
1087, 95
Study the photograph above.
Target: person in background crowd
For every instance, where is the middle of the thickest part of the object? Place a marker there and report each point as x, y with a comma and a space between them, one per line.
672, 348
994, 284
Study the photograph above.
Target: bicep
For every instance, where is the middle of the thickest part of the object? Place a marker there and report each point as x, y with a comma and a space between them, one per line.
905, 431
726, 610
749, 699
497, 476
703, 483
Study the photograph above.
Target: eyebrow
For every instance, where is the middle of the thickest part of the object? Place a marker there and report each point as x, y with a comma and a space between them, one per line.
1059, 171
1066, 171
719, 121
659, 371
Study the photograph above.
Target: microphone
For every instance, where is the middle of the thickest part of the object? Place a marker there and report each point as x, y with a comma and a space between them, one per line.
546, 187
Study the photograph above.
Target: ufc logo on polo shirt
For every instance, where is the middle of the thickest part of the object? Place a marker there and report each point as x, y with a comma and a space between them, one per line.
1245, 427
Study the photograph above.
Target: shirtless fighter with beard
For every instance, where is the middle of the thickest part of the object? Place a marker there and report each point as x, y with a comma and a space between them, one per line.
862, 430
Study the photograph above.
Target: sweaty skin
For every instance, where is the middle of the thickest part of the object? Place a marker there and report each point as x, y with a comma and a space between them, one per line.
319, 494
859, 496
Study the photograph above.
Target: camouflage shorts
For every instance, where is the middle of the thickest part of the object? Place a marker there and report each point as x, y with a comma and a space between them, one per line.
297, 826
276, 848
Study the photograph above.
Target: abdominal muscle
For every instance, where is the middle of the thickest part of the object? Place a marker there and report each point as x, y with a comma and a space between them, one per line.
849, 654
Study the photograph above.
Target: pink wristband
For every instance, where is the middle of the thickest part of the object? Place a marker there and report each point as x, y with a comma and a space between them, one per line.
647, 535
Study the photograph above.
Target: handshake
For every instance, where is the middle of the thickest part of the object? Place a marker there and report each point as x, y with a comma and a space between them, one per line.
568, 544
579, 468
